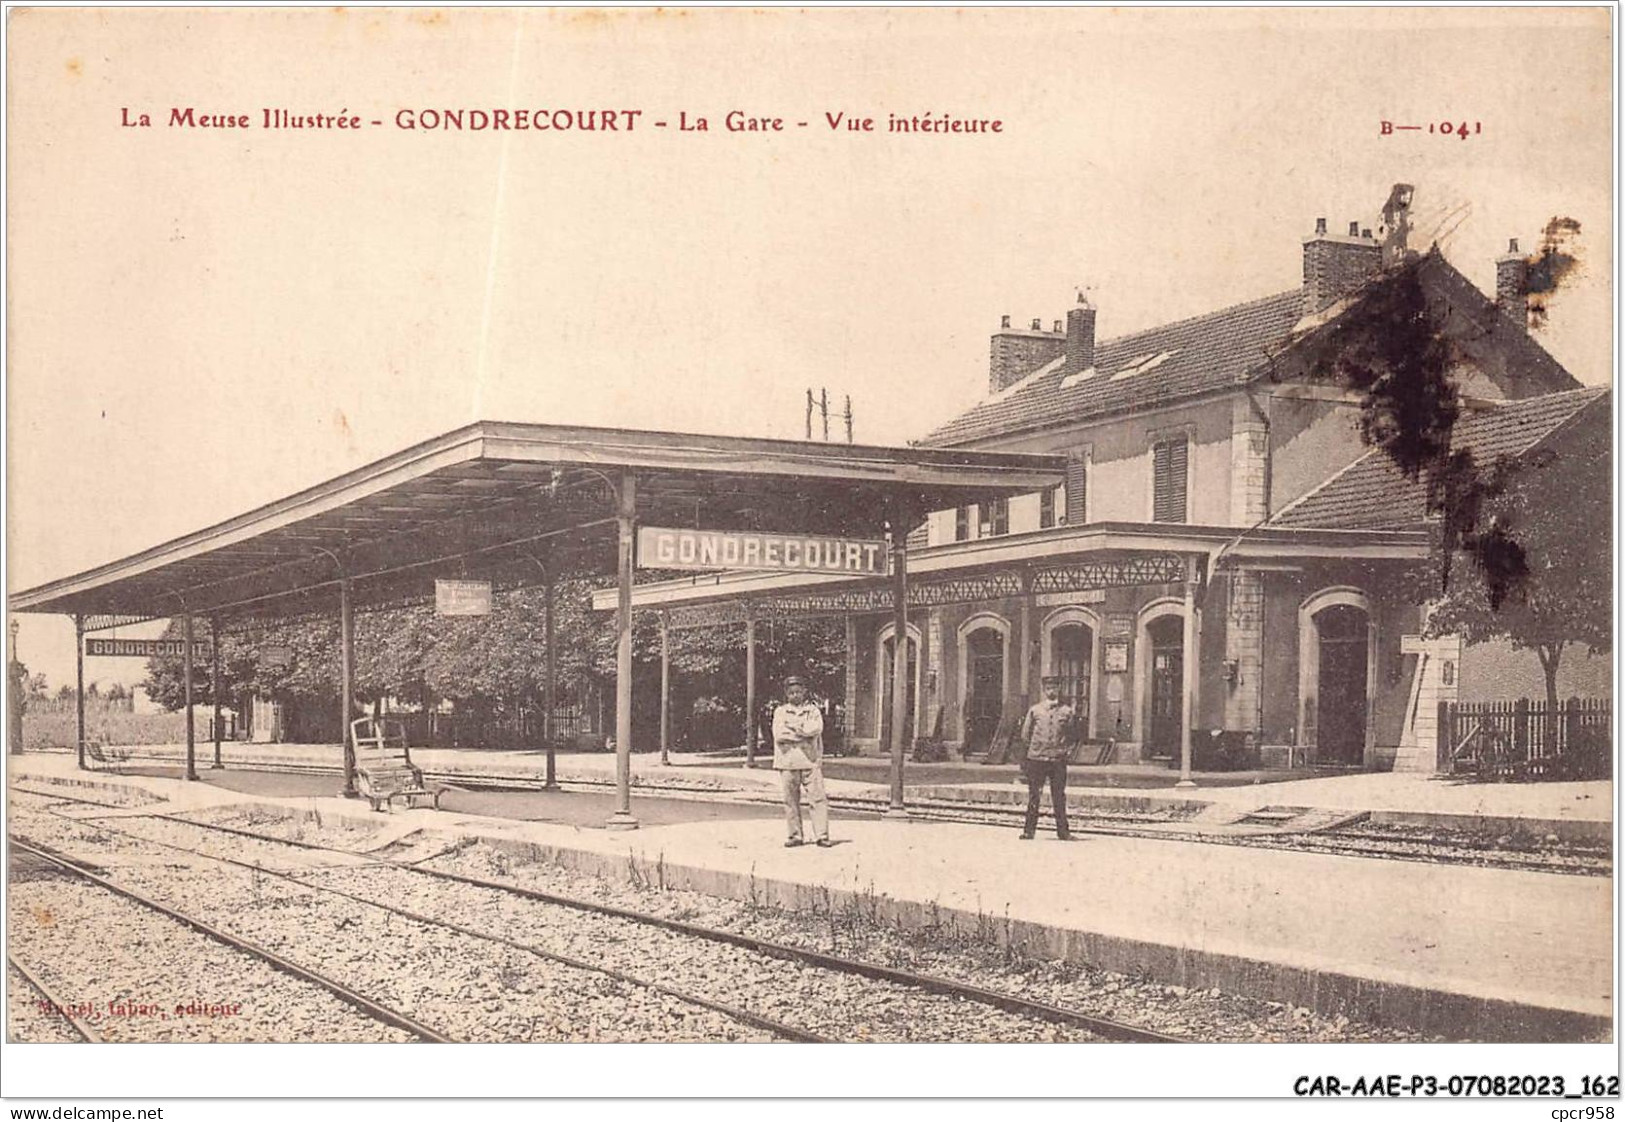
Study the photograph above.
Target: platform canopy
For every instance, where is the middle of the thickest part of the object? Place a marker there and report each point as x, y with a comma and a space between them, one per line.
488, 499
514, 504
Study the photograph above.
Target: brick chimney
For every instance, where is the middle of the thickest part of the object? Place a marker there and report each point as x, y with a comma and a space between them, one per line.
1512, 286
1334, 265
1080, 337
1016, 352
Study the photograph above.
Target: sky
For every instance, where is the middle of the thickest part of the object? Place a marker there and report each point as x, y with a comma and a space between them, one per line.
202, 320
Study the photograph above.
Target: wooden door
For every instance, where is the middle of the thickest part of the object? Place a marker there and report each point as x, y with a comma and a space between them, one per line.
1070, 657
1340, 732
984, 697
887, 662
1167, 686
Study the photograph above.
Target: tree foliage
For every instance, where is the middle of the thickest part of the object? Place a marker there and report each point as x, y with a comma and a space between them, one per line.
1552, 509
498, 663
1521, 549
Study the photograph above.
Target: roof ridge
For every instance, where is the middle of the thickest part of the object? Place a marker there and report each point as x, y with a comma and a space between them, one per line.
980, 419
1173, 323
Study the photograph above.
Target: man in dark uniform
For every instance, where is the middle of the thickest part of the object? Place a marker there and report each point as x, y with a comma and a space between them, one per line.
1049, 732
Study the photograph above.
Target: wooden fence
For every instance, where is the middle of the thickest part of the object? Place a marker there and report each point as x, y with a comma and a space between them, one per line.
1525, 739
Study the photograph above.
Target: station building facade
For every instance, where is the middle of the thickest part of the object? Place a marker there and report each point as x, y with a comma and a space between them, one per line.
1221, 508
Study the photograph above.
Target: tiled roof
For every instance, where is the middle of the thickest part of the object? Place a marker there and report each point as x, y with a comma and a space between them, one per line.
1373, 494
1236, 345
1204, 353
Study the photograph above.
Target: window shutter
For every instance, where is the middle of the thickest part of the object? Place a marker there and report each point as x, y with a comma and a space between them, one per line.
1077, 490
1168, 464
1001, 516
961, 523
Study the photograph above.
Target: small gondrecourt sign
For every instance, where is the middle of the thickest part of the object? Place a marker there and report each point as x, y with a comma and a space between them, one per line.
145, 648
462, 597
663, 548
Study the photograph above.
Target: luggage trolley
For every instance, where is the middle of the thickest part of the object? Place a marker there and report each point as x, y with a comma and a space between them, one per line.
383, 765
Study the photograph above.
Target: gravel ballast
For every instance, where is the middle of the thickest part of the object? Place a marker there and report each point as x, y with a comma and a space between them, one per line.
472, 988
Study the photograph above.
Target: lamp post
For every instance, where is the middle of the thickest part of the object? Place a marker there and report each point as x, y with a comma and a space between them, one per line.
17, 679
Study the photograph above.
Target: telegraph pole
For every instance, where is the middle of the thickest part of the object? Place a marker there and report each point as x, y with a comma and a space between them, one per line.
819, 403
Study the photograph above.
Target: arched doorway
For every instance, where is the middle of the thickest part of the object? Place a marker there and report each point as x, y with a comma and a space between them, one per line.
1340, 736
1165, 686
983, 670
1336, 676
1071, 652
884, 661
1071, 659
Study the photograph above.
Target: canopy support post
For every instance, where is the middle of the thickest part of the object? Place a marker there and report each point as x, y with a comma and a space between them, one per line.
347, 682
625, 516
750, 690
214, 685
849, 692
899, 666
191, 729
1025, 640
1187, 701
79, 679
665, 688
548, 591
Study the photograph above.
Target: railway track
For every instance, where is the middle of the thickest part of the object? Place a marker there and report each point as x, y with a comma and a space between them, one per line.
946, 997
776, 1029
376, 1011
50, 1005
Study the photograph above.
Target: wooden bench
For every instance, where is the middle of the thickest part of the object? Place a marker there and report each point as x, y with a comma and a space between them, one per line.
107, 755
383, 765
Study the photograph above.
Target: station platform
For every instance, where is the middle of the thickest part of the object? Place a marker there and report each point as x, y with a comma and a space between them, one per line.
1463, 952
1568, 810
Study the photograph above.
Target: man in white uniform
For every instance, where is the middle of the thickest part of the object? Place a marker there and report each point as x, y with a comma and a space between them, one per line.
798, 754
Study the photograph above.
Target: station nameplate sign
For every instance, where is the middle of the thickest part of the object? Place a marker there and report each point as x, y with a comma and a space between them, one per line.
1066, 599
145, 648
660, 548
462, 597
276, 658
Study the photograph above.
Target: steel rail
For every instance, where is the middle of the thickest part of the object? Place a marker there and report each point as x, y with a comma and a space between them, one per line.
1054, 1014
86, 1033
366, 1005
745, 1016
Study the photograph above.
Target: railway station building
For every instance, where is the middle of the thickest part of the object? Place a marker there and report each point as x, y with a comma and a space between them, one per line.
1226, 549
